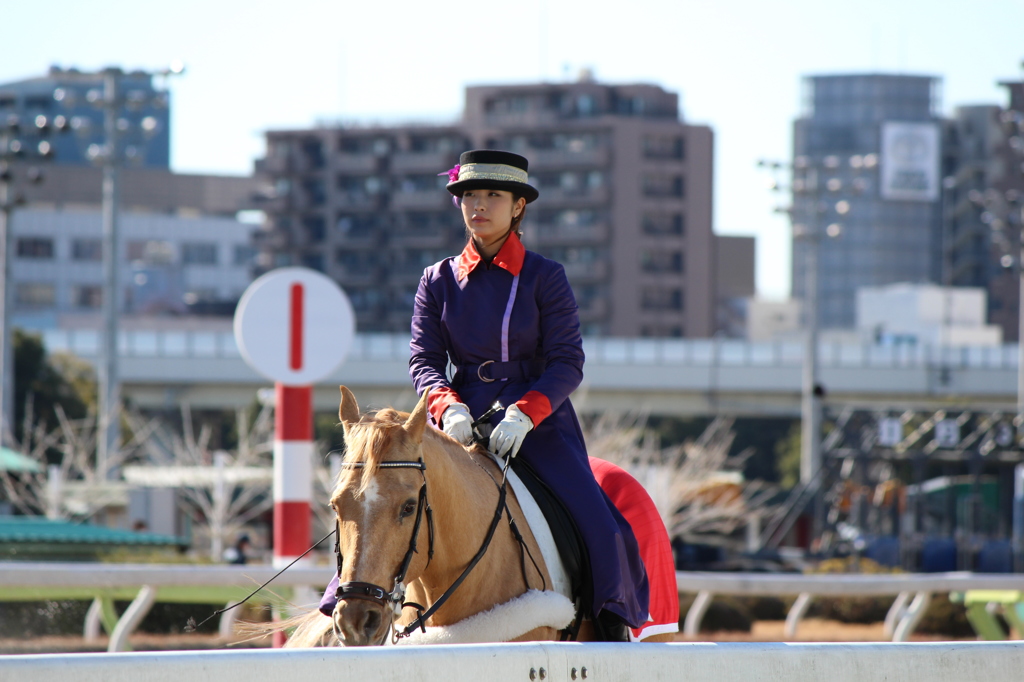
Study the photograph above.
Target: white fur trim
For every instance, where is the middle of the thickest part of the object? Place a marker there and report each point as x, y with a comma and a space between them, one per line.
531, 610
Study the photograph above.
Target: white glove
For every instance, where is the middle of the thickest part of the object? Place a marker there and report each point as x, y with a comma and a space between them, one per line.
458, 423
508, 435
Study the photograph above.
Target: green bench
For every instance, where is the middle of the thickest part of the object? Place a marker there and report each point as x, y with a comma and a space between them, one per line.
982, 607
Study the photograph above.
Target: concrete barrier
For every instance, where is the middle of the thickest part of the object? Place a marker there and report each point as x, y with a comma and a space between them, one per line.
932, 662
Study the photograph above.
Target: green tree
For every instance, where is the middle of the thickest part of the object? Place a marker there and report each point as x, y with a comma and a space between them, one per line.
47, 381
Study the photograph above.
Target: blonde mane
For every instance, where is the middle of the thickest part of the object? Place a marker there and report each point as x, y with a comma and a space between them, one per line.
371, 438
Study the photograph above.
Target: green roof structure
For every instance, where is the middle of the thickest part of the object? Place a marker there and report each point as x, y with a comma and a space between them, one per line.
35, 538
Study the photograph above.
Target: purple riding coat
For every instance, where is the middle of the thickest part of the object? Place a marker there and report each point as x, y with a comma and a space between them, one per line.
515, 321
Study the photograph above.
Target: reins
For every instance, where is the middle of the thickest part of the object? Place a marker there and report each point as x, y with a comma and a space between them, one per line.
395, 598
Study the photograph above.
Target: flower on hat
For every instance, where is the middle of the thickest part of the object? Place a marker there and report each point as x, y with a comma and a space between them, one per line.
453, 176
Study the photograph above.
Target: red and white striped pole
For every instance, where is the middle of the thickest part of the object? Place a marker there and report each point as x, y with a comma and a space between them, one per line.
293, 451
293, 471
293, 475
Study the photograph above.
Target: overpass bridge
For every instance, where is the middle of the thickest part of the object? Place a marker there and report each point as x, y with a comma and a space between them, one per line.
679, 377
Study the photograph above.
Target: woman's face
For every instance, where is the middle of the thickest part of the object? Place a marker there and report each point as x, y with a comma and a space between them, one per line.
488, 213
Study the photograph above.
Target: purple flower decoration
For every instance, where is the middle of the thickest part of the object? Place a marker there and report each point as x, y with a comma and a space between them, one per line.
453, 176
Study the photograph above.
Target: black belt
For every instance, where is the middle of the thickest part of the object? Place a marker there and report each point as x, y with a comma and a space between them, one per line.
516, 370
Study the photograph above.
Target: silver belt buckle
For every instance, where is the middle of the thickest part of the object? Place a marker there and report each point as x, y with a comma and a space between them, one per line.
482, 377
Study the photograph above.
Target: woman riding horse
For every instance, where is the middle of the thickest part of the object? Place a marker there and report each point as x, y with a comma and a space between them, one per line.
507, 320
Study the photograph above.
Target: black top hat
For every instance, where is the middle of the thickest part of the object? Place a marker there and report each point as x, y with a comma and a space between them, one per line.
490, 169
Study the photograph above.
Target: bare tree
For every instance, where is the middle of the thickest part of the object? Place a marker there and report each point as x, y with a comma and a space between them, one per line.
697, 487
221, 491
74, 487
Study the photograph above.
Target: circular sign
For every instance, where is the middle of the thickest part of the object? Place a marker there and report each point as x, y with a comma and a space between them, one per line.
294, 326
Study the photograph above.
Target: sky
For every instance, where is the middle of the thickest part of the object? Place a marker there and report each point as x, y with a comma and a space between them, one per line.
737, 66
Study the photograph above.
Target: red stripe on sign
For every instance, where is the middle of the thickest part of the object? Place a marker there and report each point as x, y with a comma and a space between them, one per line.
291, 528
295, 338
293, 412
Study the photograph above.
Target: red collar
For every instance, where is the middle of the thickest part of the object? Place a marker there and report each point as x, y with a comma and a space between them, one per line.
509, 257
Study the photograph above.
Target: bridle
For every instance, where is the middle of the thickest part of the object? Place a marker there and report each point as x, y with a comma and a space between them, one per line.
395, 599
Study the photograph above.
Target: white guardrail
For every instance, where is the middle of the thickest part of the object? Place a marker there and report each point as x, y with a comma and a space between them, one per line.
29, 580
532, 662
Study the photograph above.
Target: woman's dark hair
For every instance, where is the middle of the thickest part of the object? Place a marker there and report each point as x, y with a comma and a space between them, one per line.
517, 221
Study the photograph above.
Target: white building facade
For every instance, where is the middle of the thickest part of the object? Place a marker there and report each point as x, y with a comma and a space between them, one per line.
169, 263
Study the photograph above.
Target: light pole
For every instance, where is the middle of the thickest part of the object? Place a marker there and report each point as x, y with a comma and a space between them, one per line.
116, 100
815, 182
17, 142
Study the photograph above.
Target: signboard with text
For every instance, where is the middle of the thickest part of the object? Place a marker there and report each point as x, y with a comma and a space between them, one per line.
910, 161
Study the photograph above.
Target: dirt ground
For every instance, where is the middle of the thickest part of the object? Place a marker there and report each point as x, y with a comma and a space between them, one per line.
810, 630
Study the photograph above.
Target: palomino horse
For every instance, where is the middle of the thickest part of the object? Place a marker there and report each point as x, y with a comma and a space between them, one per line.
396, 473
378, 507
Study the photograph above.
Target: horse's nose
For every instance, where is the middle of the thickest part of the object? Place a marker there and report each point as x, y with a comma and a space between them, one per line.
358, 624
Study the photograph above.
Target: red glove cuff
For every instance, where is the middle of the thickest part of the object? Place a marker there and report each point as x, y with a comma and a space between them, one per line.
439, 400
536, 406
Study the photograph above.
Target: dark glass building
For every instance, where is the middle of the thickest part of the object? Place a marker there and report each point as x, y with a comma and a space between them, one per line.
866, 187
144, 118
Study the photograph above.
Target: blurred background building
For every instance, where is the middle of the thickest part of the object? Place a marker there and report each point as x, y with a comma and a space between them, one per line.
75, 94
982, 188
626, 208
183, 249
889, 231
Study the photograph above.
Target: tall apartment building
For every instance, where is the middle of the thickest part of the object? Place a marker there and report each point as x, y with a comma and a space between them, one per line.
625, 203
145, 118
866, 160
982, 167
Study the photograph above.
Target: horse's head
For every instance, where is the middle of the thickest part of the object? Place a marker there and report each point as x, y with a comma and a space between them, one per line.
378, 512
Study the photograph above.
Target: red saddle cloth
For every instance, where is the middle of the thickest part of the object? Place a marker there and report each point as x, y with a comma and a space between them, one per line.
655, 548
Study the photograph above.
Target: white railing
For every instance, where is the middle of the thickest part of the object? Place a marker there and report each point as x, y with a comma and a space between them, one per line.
913, 592
693, 352
550, 662
21, 581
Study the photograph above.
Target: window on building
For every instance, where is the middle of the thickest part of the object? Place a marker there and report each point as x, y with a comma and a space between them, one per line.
659, 185
663, 223
653, 260
199, 295
244, 254
423, 182
86, 296
661, 298
661, 331
663, 146
199, 253
313, 261
87, 249
315, 193
35, 295
313, 150
315, 227
35, 247
150, 251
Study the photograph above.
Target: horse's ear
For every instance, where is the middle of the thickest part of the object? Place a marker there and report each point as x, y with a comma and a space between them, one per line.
348, 411
417, 421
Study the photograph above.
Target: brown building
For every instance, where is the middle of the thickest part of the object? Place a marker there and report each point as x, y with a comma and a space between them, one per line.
625, 203
734, 283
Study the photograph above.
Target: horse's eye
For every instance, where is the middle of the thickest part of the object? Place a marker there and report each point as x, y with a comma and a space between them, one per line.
408, 508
